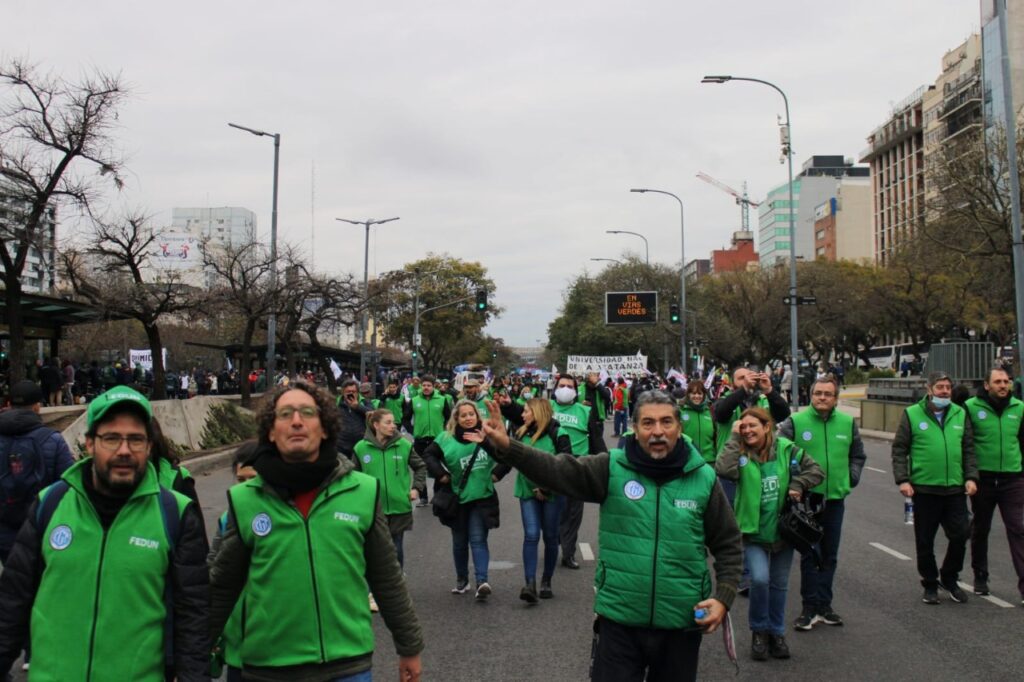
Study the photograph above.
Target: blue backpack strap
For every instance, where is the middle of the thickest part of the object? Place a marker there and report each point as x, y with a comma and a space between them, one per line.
51, 497
172, 527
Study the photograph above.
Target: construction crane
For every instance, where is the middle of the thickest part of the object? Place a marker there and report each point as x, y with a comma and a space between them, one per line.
743, 200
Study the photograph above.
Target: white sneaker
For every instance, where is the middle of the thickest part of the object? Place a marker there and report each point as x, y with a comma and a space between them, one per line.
483, 591
373, 605
24, 667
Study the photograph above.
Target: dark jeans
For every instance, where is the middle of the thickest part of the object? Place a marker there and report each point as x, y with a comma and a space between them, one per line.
619, 423
471, 532
625, 653
769, 585
950, 512
815, 584
420, 445
569, 527
540, 518
1008, 495
397, 539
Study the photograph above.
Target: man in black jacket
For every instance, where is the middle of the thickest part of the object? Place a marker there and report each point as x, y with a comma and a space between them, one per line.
353, 417
96, 530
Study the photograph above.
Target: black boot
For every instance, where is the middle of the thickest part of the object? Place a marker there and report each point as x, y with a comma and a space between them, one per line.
777, 646
529, 592
759, 646
545, 588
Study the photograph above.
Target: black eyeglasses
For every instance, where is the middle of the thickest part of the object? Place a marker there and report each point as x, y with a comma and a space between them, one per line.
111, 442
305, 412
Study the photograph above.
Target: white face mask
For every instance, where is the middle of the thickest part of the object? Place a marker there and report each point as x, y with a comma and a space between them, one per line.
565, 395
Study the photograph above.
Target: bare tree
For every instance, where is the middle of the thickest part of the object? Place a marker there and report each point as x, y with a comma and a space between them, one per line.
331, 302
55, 146
112, 274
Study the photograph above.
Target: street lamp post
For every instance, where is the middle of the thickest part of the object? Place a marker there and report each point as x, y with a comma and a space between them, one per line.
272, 321
787, 151
610, 260
647, 248
682, 274
368, 223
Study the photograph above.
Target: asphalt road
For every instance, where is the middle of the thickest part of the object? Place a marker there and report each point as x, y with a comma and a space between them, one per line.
889, 633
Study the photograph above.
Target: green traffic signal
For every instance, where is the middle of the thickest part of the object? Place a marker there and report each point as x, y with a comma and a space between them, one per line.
673, 312
481, 300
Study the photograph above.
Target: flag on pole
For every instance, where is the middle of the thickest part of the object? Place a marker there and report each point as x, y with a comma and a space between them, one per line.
230, 366
554, 369
711, 378
335, 369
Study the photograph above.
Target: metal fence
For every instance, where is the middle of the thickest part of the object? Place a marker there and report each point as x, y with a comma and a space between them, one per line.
964, 361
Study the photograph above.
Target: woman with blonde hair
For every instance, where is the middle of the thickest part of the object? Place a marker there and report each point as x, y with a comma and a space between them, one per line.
540, 508
459, 457
766, 469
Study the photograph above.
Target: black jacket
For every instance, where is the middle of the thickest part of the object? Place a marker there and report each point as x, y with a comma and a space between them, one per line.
353, 426
724, 407
23, 572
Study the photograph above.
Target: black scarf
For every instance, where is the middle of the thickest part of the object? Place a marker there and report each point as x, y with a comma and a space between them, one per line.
998, 404
297, 477
107, 506
460, 433
660, 470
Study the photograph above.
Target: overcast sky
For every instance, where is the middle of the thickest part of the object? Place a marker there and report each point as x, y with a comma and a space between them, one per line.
508, 133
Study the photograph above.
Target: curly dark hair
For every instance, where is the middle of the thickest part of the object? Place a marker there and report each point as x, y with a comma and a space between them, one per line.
330, 419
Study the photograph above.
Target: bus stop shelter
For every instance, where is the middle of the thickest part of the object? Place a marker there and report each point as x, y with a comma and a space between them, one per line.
45, 317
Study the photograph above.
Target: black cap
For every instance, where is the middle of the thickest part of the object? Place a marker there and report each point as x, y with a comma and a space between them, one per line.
25, 393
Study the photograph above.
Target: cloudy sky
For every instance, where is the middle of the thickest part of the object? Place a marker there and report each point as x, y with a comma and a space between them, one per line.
508, 133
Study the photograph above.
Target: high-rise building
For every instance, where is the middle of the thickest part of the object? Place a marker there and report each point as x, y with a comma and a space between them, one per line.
952, 109
992, 64
40, 272
812, 186
896, 154
230, 226
176, 251
842, 224
697, 268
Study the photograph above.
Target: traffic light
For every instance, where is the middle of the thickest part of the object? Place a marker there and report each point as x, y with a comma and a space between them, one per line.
673, 312
481, 300
494, 354
415, 353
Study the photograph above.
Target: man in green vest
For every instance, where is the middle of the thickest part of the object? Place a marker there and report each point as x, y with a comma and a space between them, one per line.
751, 387
832, 440
108, 564
474, 392
934, 465
393, 400
366, 396
425, 416
307, 540
651, 613
997, 420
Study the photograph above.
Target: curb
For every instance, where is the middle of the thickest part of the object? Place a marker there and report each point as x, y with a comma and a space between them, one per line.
207, 462
877, 435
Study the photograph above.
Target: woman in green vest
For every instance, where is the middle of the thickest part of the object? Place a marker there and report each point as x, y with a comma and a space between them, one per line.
541, 510
698, 423
169, 472
766, 468
460, 447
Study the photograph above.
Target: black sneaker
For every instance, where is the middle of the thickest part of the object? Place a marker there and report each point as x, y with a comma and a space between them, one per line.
931, 596
828, 617
461, 586
981, 586
529, 593
545, 589
759, 646
570, 562
955, 593
777, 646
807, 619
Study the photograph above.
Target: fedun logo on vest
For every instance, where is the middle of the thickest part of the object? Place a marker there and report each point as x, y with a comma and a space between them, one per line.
806, 435
982, 414
344, 516
743, 461
923, 426
144, 542
367, 459
634, 490
686, 417
261, 525
60, 537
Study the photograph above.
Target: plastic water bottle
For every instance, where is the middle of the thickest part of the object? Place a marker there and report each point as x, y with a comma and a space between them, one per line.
908, 511
700, 614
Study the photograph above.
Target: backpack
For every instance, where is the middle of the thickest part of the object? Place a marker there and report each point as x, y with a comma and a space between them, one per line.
22, 472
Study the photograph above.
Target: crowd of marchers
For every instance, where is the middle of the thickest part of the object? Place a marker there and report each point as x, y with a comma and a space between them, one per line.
108, 573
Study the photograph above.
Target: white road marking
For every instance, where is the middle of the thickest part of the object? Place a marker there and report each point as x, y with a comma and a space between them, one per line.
890, 551
586, 552
987, 597
881, 471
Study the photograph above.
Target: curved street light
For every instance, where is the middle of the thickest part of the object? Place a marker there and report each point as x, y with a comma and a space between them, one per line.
647, 248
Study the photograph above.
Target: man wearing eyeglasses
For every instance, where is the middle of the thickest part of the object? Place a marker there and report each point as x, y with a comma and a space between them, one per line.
832, 440
307, 540
108, 573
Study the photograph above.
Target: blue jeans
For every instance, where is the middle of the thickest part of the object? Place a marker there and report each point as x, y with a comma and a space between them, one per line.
769, 582
816, 585
619, 423
540, 517
365, 676
397, 539
470, 532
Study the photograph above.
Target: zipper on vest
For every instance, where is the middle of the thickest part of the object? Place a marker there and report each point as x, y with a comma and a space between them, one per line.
1000, 422
96, 603
384, 457
316, 592
828, 463
654, 560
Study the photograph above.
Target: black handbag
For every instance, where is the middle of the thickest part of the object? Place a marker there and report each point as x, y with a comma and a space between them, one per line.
798, 521
446, 498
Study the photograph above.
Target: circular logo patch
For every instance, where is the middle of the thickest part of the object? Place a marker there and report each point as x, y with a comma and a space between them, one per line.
743, 461
923, 426
61, 537
806, 435
634, 490
982, 414
686, 416
367, 459
261, 525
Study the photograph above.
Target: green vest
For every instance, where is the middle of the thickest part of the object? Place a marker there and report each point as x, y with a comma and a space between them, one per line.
761, 489
936, 451
725, 428
427, 415
456, 456
391, 468
573, 419
995, 436
482, 406
828, 443
306, 592
99, 610
394, 405
602, 410
167, 474
524, 486
653, 568
231, 638
699, 425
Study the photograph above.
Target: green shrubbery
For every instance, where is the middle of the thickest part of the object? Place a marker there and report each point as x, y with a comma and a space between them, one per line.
226, 424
